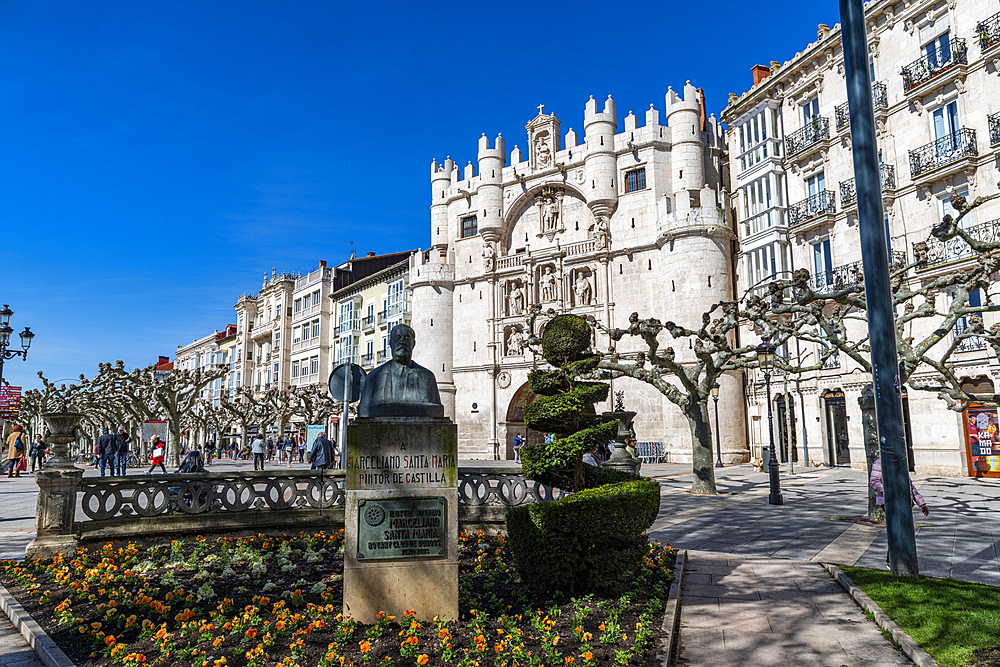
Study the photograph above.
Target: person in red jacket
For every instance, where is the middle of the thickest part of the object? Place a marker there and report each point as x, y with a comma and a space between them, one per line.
158, 455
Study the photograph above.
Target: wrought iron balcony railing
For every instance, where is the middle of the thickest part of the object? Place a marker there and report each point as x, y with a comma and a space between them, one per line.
813, 207
382, 356
994, 129
368, 322
846, 275
815, 131
968, 344
953, 250
933, 64
949, 148
833, 361
880, 100
368, 360
848, 188
989, 32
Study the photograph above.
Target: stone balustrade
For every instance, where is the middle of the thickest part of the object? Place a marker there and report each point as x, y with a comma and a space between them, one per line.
138, 506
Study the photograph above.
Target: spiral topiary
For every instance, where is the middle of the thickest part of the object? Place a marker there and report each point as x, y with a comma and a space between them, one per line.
588, 540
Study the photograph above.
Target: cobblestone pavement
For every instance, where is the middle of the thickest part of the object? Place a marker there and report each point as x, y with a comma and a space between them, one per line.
959, 539
14, 649
749, 610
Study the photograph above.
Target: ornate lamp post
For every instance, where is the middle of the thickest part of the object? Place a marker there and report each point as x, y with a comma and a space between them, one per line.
5, 332
718, 446
765, 357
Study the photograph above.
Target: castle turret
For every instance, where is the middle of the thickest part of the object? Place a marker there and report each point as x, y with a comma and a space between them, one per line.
432, 286
602, 168
687, 153
440, 182
490, 192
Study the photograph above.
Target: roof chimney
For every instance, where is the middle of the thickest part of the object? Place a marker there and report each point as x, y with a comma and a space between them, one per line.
371, 254
760, 72
322, 263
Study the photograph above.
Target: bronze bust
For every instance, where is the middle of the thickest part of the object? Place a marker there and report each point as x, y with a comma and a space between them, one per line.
401, 388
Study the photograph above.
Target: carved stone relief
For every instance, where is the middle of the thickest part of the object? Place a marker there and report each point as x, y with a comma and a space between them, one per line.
515, 298
602, 232
583, 289
514, 341
548, 284
550, 218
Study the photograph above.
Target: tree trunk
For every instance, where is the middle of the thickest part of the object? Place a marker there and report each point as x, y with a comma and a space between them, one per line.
702, 461
173, 443
870, 429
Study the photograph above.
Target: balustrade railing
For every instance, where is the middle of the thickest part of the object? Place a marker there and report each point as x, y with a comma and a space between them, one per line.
848, 188
842, 113
994, 129
954, 249
368, 360
880, 100
368, 322
949, 148
816, 130
970, 344
812, 207
934, 63
988, 32
833, 361
846, 275
510, 261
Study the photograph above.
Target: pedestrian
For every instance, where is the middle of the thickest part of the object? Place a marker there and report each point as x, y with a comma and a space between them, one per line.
121, 457
302, 450
158, 456
876, 483
209, 451
321, 454
16, 450
37, 452
288, 447
107, 448
257, 449
270, 449
518, 443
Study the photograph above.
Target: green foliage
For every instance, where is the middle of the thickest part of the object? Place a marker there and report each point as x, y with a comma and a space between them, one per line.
566, 339
548, 383
587, 541
554, 463
584, 365
591, 392
558, 414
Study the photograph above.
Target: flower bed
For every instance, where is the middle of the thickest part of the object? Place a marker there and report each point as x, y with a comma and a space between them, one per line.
267, 600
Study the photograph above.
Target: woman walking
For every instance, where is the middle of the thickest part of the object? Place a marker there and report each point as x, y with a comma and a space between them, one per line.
289, 447
158, 456
16, 449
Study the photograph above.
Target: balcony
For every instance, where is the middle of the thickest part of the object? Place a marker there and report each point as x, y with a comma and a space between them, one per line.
832, 362
382, 356
816, 131
350, 326
951, 57
994, 130
970, 344
989, 32
880, 102
368, 360
945, 151
956, 249
821, 203
846, 275
368, 323
849, 193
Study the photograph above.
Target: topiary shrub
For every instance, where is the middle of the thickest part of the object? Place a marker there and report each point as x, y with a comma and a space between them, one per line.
587, 541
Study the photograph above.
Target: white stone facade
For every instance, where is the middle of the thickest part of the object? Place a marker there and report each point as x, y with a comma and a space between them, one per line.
263, 328
628, 220
938, 131
312, 323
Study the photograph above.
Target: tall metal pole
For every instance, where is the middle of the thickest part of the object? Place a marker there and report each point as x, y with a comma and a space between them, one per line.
718, 444
774, 497
878, 295
348, 376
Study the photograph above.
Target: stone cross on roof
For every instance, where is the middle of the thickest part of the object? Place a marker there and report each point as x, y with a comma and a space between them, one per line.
540, 108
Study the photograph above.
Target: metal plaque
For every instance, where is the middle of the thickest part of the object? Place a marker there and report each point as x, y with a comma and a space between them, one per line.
402, 528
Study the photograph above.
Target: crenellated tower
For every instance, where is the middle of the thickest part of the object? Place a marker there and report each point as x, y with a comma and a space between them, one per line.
684, 118
440, 182
600, 187
489, 194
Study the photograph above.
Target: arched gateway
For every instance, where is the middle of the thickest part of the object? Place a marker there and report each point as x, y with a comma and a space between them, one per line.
515, 420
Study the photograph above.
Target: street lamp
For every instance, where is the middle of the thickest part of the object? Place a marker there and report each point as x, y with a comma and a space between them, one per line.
765, 357
5, 332
718, 447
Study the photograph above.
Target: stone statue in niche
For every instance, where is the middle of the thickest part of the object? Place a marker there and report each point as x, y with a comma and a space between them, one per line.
515, 343
549, 285
602, 232
550, 215
543, 156
515, 299
583, 289
490, 257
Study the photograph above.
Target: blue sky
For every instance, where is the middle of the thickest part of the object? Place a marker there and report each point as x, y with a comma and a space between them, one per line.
157, 158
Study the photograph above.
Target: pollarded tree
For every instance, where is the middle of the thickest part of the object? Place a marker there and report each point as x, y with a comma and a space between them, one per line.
590, 539
244, 409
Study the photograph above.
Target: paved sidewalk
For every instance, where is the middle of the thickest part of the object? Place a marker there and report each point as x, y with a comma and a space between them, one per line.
749, 610
960, 538
14, 650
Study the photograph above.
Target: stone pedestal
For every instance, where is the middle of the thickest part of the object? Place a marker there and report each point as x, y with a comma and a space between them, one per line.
55, 512
620, 458
401, 518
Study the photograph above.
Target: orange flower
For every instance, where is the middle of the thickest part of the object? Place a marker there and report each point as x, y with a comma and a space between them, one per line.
422, 659
218, 640
109, 640
251, 633
588, 656
366, 646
